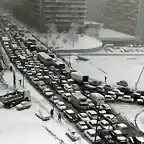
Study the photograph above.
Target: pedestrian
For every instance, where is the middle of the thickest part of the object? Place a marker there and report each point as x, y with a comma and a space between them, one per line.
20, 81
59, 117
105, 79
51, 112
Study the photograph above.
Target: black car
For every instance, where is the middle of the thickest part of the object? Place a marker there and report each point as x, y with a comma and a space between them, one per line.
70, 114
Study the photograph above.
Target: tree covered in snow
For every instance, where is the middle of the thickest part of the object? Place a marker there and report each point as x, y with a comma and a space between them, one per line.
72, 34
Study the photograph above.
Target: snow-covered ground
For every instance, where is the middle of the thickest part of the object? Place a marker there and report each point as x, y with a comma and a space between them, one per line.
81, 42
116, 68
25, 124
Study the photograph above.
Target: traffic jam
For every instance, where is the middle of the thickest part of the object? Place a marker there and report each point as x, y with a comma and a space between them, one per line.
80, 101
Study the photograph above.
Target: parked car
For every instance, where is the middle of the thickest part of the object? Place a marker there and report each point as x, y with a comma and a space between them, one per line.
49, 94
23, 105
43, 115
72, 135
70, 114
92, 114
107, 88
90, 134
82, 126
126, 98
61, 106
122, 83
111, 93
83, 117
136, 140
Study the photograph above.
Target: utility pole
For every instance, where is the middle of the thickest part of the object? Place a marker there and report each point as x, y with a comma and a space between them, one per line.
139, 78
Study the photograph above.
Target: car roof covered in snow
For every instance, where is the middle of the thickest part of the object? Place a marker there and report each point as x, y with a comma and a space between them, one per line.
69, 111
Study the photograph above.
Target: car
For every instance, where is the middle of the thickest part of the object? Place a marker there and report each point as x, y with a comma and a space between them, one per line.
140, 101
91, 104
49, 94
136, 140
109, 98
70, 114
92, 124
106, 107
60, 92
92, 114
105, 125
118, 92
71, 133
100, 89
23, 105
43, 115
66, 96
120, 126
82, 126
83, 117
110, 118
111, 93
61, 106
46, 90
108, 88
54, 99
126, 98
118, 136
90, 134
68, 88
122, 83
41, 85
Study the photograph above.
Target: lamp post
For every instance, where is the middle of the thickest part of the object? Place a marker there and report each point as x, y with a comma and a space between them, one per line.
97, 124
110, 125
23, 79
53, 103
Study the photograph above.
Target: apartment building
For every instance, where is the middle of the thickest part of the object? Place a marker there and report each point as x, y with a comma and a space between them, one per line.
125, 16
60, 12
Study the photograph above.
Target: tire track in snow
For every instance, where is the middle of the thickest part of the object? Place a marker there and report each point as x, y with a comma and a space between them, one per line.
54, 136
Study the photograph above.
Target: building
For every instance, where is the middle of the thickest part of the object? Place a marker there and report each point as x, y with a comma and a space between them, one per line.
125, 16
60, 12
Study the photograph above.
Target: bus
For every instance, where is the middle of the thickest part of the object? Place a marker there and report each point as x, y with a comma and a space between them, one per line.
45, 59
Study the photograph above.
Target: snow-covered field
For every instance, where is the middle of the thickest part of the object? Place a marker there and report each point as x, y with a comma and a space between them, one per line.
24, 127
116, 68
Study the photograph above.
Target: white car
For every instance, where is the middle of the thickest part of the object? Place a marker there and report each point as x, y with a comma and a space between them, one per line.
105, 125
92, 114
68, 88
61, 106
54, 99
111, 93
66, 96
43, 115
82, 126
49, 94
23, 105
83, 117
111, 118
92, 124
72, 135
109, 98
126, 98
90, 134
46, 90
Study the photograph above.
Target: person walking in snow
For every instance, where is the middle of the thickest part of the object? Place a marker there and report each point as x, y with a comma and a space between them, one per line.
20, 81
51, 112
59, 117
105, 79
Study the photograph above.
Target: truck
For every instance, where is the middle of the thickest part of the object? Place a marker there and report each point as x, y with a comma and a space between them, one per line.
79, 101
97, 98
79, 78
15, 97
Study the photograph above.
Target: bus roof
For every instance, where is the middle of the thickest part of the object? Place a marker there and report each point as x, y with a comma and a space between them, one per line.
44, 55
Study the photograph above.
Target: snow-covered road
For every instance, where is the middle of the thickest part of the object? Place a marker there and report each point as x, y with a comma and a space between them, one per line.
58, 128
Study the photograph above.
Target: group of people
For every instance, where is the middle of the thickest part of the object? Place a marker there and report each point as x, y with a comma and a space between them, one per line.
52, 113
